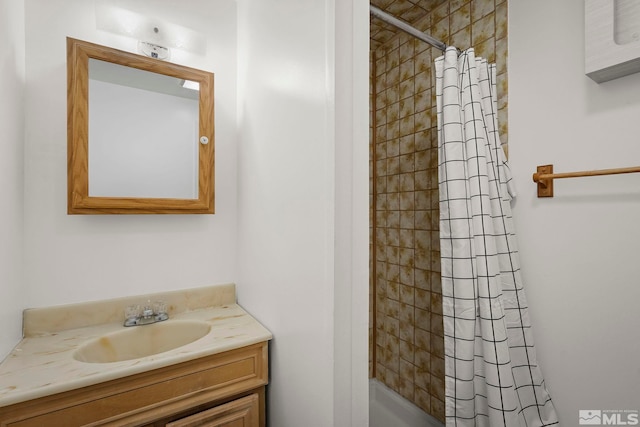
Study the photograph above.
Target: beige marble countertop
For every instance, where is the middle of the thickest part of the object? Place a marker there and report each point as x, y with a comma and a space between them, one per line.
42, 363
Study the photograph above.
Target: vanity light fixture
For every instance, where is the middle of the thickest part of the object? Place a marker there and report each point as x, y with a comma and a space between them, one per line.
155, 36
153, 50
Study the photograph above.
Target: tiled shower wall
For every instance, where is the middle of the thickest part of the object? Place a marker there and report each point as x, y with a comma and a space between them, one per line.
406, 336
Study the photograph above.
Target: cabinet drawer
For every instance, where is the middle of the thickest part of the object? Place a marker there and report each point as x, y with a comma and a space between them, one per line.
148, 396
243, 412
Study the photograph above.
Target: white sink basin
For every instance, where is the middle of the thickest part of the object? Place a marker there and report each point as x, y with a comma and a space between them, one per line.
141, 341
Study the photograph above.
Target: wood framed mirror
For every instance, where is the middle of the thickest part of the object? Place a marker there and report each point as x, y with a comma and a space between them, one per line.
139, 140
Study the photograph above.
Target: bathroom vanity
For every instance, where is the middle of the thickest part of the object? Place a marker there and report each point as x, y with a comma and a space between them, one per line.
218, 379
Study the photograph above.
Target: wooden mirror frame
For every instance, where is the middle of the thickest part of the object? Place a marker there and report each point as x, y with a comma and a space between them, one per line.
78, 199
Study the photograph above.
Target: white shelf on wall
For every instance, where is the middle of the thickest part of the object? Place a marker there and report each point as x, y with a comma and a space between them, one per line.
612, 38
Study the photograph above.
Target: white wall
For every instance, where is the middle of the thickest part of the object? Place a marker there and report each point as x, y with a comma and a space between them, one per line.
73, 258
350, 40
303, 202
11, 170
579, 250
286, 200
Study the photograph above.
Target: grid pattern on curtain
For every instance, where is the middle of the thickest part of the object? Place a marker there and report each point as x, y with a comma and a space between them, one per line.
492, 375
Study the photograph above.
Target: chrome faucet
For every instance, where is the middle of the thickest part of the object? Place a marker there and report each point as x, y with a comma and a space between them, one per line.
135, 315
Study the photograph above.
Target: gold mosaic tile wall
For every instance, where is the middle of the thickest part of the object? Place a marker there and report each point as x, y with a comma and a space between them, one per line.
406, 334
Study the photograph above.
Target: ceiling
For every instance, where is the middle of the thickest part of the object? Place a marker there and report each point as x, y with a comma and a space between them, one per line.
409, 11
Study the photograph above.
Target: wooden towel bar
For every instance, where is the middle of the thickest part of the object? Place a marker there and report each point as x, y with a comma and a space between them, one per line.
544, 176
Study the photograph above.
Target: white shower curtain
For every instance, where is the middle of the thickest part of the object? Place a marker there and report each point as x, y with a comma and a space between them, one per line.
492, 375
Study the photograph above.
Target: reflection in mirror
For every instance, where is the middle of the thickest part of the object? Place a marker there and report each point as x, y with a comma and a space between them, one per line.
139, 140
143, 134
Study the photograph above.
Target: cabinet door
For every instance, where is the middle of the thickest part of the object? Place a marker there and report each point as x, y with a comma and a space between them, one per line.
243, 412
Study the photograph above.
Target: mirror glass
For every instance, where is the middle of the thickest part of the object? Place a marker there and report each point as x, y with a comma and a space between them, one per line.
140, 134
143, 133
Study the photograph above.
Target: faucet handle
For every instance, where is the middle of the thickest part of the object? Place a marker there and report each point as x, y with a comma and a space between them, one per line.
132, 312
159, 307
131, 315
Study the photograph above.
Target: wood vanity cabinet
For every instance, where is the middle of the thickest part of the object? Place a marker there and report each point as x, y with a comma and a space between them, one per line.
221, 390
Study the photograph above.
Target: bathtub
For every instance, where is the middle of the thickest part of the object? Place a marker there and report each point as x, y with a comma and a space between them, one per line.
388, 409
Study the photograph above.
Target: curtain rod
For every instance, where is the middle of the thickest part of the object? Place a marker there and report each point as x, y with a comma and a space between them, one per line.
544, 176
401, 25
